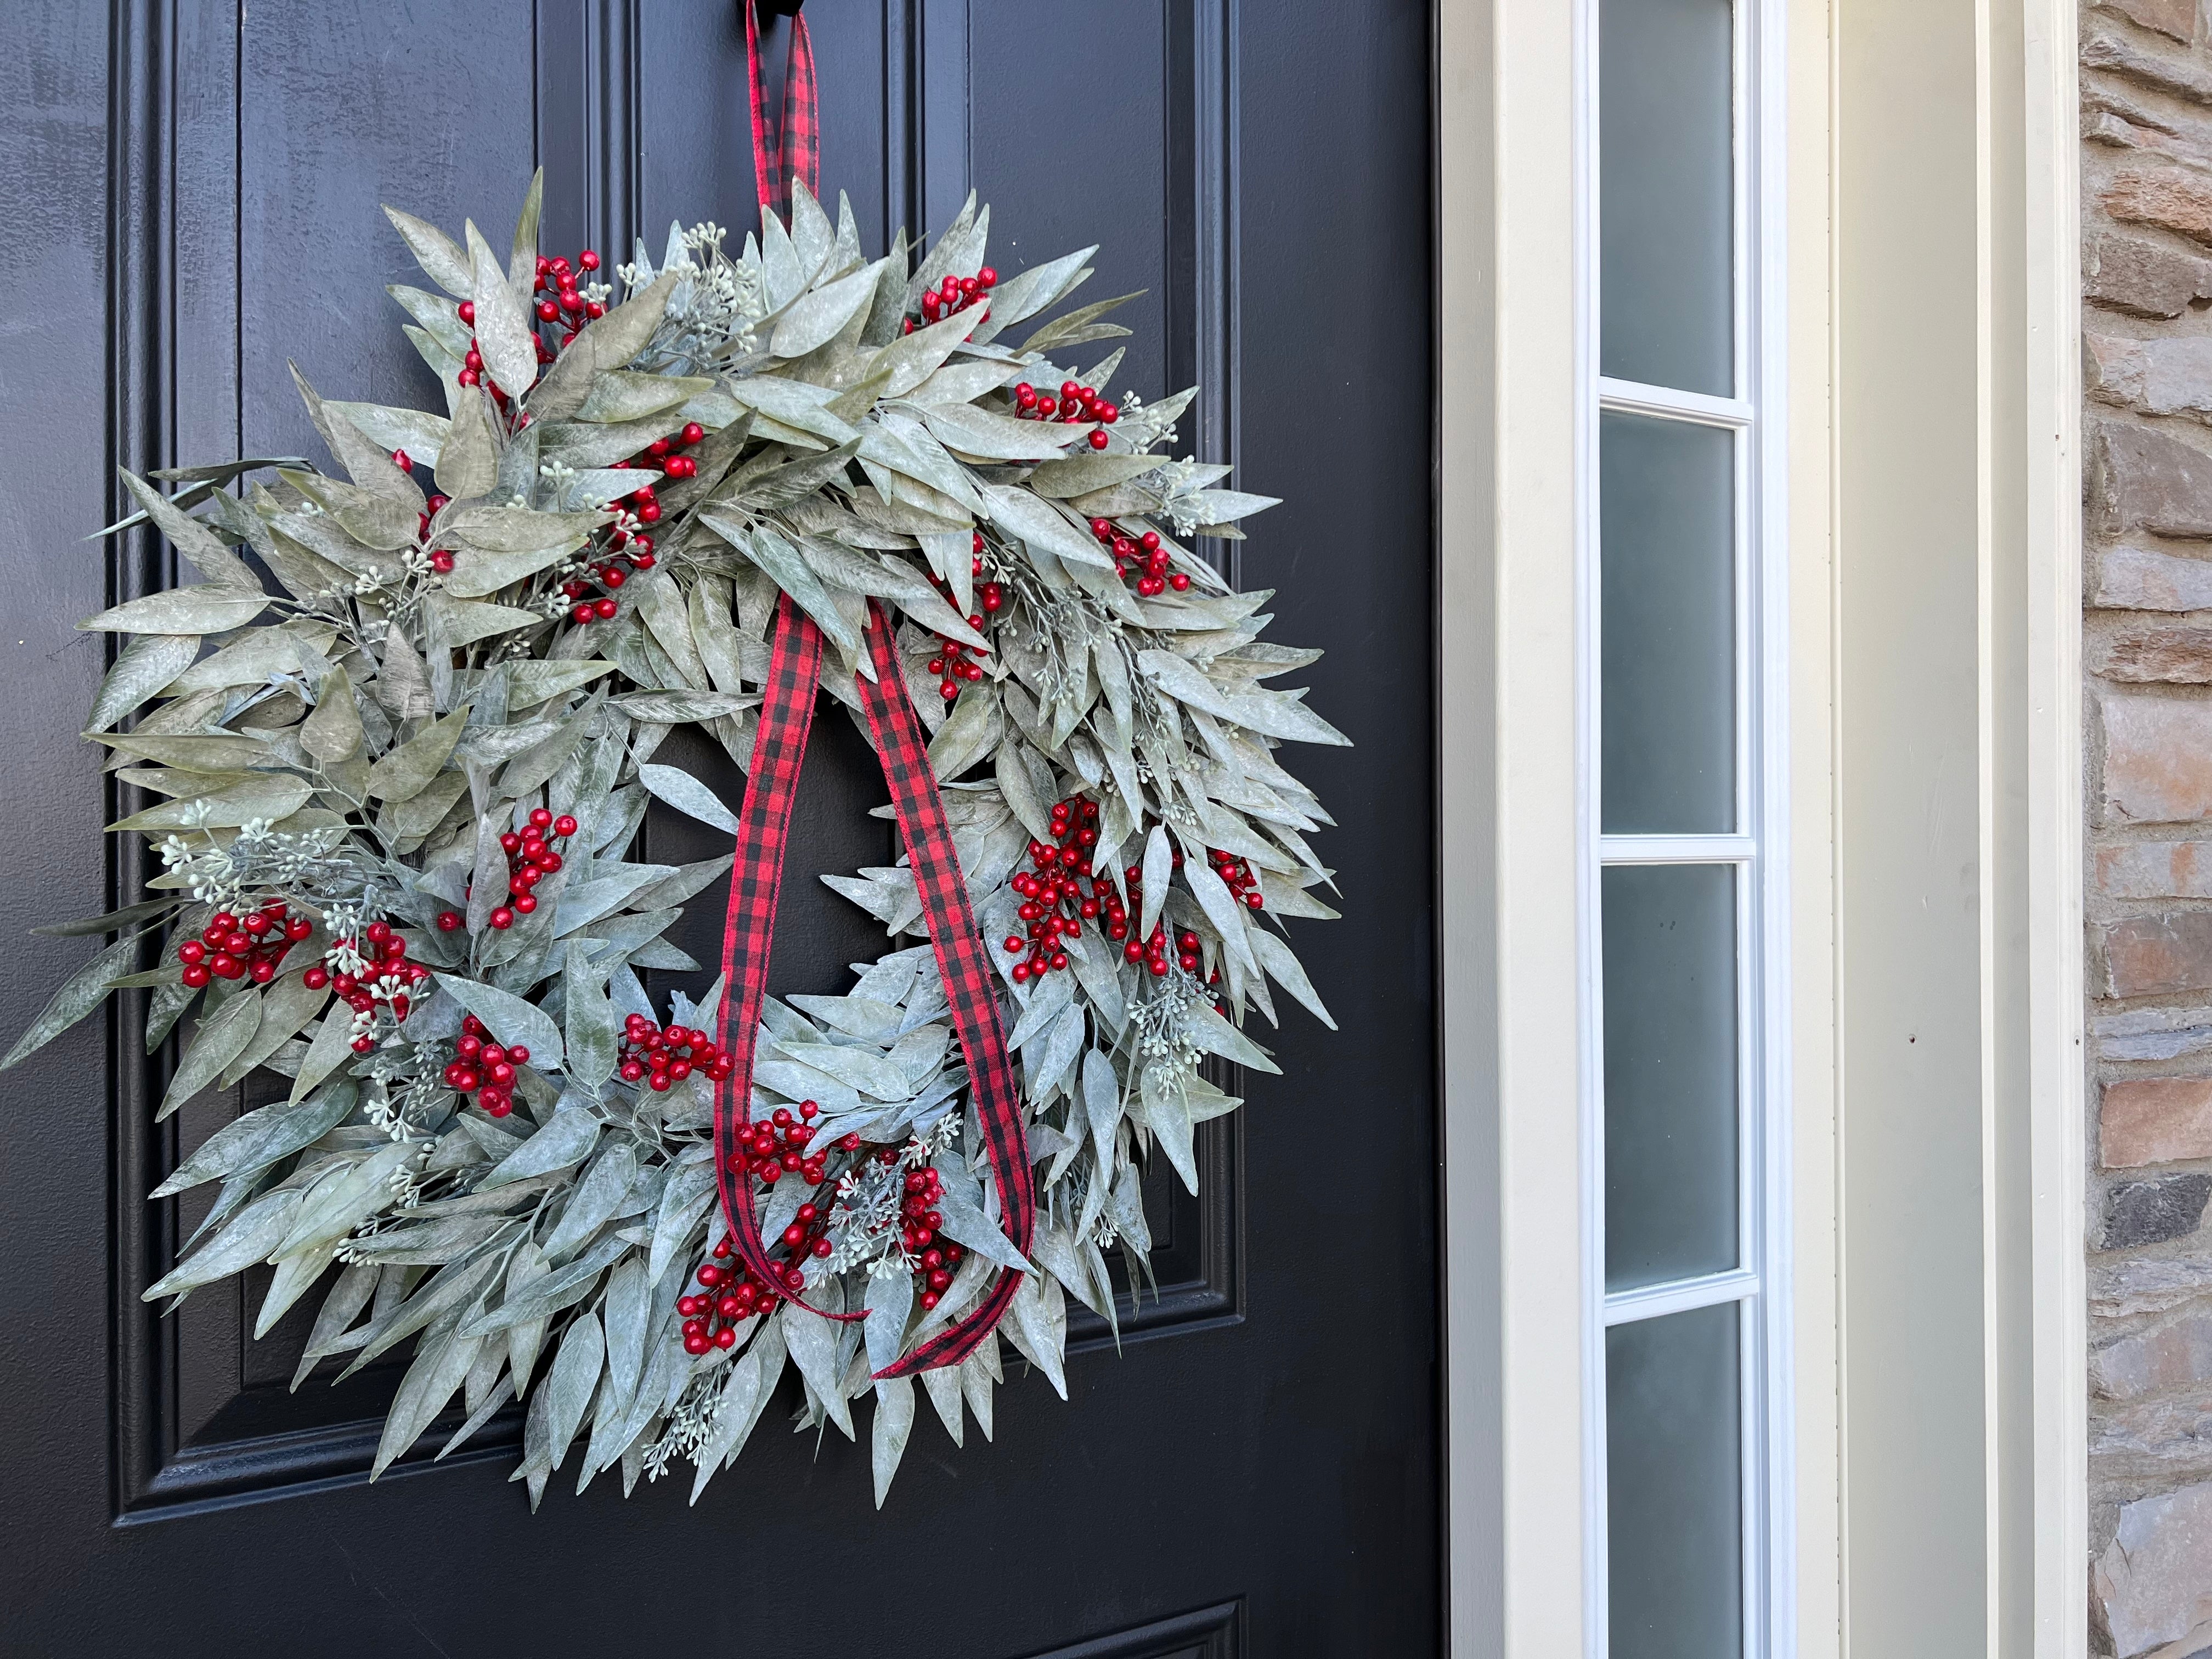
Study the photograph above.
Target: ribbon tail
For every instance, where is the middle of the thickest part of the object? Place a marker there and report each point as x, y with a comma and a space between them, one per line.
767, 161
800, 144
966, 970
786, 719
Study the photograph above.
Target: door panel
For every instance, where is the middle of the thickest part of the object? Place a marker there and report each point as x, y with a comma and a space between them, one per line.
1255, 1471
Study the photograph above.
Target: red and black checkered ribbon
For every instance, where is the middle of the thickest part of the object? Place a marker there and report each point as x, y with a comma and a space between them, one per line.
763, 825
793, 150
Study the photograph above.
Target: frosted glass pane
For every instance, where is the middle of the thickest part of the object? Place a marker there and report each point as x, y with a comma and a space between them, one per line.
1670, 1071
1667, 566
1674, 1522
1665, 86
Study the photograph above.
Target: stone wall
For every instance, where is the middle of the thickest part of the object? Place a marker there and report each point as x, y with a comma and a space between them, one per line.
2147, 374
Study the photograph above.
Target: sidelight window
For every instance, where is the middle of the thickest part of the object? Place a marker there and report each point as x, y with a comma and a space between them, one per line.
1684, 1092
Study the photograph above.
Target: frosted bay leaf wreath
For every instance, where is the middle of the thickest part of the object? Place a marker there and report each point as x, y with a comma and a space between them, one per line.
403, 741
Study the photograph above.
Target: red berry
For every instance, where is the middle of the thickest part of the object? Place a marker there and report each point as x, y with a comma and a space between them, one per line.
502, 918
564, 825
693, 431
196, 975
589, 260
449, 920
1098, 441
468, 309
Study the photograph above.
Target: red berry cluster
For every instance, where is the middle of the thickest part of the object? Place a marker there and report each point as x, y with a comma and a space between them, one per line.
1154, 952
734, 1293
251, 946
383, 955
1076, 402
628, 550
557, 281
776, 1146
662, 456
441, 559
1237, 876
951, 664
1054, 899
662, 1057
531, 857
955, 295
1143, 557
918, 1220
484, 1068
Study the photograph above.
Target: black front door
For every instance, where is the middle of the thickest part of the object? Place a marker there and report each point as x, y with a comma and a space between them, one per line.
189, 193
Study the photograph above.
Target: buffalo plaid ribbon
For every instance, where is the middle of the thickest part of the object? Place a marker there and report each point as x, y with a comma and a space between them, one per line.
763, 826
793, 150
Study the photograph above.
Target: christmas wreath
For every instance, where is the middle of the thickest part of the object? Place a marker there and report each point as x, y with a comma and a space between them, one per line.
401, 743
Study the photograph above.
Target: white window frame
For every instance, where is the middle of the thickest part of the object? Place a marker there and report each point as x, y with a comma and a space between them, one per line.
1761, 1284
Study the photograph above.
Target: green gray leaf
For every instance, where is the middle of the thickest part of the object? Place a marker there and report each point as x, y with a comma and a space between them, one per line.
512, 1020
332, 730
814, 319
143, 668
673, 785
1020, 513
468, 464
222, 1037
199, 546
408, 769
503, 330
443, 261
574, 1379
249, 1237
594, 1028
567, 1140
259, 1138
209, 608
894, 1424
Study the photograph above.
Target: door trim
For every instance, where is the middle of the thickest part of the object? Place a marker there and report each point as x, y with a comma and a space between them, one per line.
1511, 1206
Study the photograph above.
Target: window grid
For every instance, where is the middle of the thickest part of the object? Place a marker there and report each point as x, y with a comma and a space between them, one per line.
1757, 1284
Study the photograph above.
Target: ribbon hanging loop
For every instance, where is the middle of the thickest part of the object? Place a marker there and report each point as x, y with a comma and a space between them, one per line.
786, 719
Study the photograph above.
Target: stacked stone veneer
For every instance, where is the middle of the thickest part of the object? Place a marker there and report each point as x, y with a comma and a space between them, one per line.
2147, 371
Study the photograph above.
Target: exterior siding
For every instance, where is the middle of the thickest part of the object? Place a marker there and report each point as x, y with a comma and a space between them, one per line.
2147, 375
